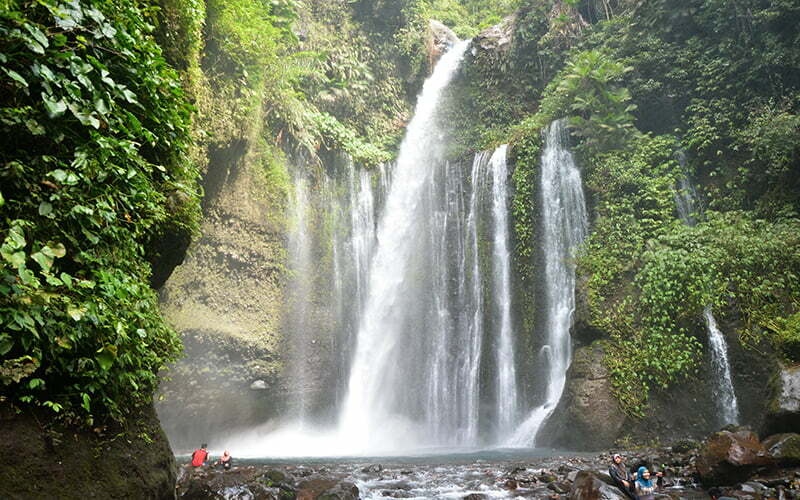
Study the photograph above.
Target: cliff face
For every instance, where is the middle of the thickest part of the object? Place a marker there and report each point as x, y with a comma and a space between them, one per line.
227, 300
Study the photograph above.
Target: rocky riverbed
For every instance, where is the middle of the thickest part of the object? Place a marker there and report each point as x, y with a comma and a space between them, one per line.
736, 461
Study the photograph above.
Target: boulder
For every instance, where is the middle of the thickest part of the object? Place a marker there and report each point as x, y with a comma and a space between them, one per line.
589, 486
588, 416
783, 412
440, 38
326, 489
784, 449
728, 457
496, 38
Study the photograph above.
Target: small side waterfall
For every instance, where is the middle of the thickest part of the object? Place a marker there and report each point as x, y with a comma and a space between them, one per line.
564, 225
725, 395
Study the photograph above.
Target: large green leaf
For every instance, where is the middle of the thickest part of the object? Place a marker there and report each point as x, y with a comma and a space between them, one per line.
105, 357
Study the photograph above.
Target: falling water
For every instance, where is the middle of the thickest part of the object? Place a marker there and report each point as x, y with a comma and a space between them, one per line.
506, 375
420, 279
299, 291
725, 395
399, 363
564, 224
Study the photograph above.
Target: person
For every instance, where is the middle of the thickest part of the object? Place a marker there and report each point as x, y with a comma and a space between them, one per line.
200, 456
645, 487
622, 477
225, 461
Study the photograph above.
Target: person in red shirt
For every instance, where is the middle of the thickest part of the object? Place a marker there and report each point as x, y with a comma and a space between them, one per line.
200, 456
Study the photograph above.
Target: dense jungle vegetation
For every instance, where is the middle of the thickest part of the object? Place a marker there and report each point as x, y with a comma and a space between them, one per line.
110, 110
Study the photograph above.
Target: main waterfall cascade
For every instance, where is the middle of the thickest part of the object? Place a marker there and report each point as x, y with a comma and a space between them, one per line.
724, 393
421, 305
564, 226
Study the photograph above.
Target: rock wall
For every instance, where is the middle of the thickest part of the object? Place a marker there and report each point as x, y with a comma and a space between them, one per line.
227, 301
45, 460
588, 416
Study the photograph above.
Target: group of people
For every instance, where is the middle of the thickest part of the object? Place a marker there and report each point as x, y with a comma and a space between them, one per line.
639, 485
200, 458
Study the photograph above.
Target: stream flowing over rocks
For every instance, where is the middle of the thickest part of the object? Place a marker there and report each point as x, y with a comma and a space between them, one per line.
735, 461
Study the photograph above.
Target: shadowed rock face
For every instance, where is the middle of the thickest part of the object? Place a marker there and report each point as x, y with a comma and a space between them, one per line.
783, 412
73, 463
588, 416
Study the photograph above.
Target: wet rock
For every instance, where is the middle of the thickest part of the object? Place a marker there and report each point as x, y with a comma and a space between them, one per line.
589, 486
588, 416
753, 487
475, 496
326, 489
784, 449
783, 412
728, 457
560, 487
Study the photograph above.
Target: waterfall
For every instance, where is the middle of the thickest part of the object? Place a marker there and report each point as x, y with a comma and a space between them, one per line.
398, 362
506, 374
724, 393
564, 226
299, 290
423, 341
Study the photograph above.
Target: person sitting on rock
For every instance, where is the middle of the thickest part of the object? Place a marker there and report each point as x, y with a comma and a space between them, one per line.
645, 486
200, 456
622, 477
225, 461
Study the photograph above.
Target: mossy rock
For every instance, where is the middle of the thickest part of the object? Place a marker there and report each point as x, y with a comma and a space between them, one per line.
66, 462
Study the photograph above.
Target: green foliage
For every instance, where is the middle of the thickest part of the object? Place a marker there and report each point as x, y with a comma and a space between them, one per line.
466, 18
347, 140
525, 214
586, 92
94, 135
724, 78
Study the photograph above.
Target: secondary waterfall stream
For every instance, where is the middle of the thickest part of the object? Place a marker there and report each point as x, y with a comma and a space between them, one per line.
724, 393
564, 227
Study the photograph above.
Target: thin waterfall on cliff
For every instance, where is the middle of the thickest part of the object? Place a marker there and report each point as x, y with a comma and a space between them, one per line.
724, 393
353, 246
299, 291
564, 226
506, 372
